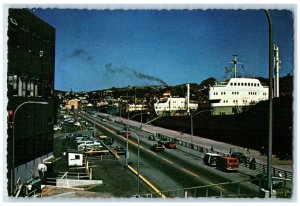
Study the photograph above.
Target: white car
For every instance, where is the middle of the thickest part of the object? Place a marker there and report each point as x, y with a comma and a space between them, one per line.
89, 143
77, 124
57, 127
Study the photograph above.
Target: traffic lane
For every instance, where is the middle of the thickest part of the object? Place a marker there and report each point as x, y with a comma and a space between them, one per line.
165, 176
201, 174
166, 173
184, 154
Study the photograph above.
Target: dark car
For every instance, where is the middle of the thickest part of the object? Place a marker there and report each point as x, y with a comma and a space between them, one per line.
240, 156
158, 147
120, 150
125, 129
261, 180
125, 133
120, 131
170, 145
73, 136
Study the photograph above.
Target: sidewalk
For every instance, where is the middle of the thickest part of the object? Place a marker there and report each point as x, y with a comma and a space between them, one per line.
208, 143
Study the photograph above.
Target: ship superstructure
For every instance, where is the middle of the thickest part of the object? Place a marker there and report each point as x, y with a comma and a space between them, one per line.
237, 94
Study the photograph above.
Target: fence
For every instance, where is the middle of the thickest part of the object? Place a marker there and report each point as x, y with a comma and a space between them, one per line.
237, 189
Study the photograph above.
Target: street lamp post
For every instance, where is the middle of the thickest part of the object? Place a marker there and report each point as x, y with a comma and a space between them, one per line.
126, 158
138, 166
13, 142
127, 154
192, 126
269, 160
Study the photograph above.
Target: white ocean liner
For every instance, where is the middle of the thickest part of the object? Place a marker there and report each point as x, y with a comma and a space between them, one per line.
175, 106
237, 94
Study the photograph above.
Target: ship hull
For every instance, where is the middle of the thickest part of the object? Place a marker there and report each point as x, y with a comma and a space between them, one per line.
248, 129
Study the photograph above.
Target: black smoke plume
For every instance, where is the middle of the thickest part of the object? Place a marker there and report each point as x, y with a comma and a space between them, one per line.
80, 53
132, 72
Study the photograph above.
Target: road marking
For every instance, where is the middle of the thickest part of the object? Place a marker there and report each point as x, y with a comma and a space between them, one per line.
167, 160
146, 181
189, 172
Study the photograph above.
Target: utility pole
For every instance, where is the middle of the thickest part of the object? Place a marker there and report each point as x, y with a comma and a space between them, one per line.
269, 160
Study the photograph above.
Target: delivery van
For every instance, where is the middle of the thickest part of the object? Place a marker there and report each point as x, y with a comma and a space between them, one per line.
228, 164
211, 159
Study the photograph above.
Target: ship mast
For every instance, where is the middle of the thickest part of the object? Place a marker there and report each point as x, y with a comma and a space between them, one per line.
234, 61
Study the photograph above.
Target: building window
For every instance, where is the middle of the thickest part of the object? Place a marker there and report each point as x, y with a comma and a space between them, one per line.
249, 84
231, 84
24, 88
36, 90
238, 84
242, 84
234, 84
20, 87
77, 157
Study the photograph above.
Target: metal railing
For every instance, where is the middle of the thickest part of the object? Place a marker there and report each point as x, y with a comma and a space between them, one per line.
221, 190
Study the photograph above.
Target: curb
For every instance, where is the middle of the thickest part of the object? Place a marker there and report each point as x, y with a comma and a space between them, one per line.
147, 182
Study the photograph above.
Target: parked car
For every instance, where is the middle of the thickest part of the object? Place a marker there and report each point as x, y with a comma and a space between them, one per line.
89, 143
92, 128
158, 147
104, 120
96, 151
73, 136
241, 156
211, 159
120, 150
57, 127
228, 164
261, 179
77, 124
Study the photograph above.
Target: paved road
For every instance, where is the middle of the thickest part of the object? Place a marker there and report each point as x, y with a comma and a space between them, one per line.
208, 143
175, 169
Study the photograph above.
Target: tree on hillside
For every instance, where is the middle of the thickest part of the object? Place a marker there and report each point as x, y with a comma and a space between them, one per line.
207, 82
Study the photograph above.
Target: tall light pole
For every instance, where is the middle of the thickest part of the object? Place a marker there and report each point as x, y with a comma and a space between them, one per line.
13, 142
127, 153
127, 125
192, 127
138, 166
135, 116
269, 161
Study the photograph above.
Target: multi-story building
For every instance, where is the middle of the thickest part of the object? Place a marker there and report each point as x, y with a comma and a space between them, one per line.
30, 92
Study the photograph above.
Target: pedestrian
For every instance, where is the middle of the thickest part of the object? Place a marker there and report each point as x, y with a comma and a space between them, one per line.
212, 149
252, 164
248, 152
230, 151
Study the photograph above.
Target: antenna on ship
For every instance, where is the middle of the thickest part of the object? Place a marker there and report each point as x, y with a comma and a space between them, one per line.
235, 62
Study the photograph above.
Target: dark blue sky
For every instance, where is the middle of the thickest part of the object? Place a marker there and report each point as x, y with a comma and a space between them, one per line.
99, 49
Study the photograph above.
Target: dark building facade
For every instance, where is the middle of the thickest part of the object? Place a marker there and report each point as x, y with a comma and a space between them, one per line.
30, 92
